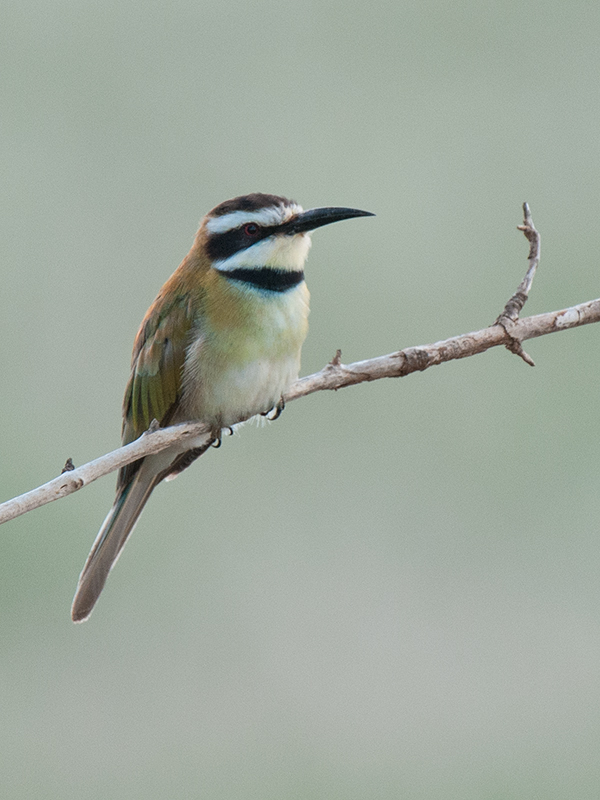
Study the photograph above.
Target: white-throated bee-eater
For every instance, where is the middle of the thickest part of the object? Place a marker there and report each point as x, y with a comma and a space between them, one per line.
220, 343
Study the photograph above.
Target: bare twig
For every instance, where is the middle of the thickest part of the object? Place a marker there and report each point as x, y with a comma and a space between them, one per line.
508, 331
513, 308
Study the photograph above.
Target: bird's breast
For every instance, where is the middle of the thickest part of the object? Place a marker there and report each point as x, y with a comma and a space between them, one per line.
246, 352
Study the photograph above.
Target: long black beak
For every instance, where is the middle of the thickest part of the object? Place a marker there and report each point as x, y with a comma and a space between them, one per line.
317, 217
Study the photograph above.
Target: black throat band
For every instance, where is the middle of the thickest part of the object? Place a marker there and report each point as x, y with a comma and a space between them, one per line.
270, 280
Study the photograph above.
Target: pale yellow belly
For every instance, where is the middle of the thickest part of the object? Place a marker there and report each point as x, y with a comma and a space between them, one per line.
240, 392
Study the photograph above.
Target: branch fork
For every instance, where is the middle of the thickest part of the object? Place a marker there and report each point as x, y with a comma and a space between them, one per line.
514, 306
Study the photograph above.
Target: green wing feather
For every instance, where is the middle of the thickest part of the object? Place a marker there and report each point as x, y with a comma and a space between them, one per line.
155, 383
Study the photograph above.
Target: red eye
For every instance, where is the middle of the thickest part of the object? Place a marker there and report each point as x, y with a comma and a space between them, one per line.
251, 229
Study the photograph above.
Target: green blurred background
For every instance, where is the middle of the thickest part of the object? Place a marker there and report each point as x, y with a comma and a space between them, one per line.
393, 591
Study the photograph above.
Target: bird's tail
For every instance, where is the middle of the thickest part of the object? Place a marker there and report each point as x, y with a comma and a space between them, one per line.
113, 534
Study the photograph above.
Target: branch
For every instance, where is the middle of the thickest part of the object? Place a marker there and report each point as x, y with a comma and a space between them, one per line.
515, 305
508, 331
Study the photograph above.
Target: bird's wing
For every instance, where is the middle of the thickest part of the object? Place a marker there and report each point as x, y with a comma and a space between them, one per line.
155, 384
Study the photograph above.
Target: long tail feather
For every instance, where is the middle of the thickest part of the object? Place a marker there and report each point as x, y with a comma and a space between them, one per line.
113, 534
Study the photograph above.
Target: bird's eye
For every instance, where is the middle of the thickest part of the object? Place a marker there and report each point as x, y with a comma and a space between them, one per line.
251, 229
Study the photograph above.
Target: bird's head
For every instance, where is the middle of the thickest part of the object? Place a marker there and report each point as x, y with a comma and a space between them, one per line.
257, 231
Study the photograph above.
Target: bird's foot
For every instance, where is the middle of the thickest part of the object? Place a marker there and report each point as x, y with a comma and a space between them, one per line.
274, 412
218, 437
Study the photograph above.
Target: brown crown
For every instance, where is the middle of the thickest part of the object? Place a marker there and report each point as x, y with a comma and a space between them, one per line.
249, 202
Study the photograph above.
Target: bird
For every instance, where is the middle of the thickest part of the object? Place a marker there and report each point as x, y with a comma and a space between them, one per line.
220, 344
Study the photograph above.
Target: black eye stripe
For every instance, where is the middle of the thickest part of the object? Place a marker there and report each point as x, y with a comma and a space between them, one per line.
223, 245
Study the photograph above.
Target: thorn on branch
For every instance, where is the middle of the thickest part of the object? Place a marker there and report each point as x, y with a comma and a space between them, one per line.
68, 467
515, 347
335, 362
337, 359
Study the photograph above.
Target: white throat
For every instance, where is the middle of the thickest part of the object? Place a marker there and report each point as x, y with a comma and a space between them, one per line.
276, 252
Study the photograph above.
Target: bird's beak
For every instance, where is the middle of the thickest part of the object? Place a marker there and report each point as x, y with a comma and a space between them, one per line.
317, 217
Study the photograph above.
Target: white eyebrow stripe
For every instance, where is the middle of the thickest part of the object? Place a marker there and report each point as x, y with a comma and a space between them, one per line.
274, 215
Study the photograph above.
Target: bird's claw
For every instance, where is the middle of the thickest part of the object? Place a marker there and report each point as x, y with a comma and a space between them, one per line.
218, 440
276, 411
